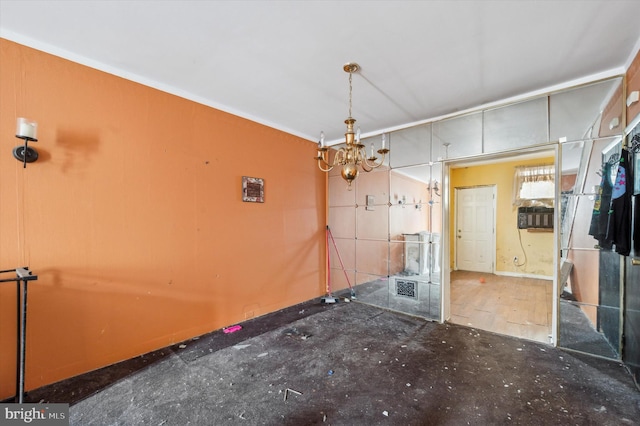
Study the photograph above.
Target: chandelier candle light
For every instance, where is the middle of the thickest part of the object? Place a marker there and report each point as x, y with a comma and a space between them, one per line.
353, 153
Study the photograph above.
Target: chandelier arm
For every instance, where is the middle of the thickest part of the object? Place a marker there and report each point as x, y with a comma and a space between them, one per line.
322, 158
373, 164
383, 153
327, 169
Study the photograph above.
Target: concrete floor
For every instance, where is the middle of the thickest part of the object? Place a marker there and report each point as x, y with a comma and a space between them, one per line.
352, 364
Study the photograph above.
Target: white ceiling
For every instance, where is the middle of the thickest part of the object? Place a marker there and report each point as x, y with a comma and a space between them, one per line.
280, 62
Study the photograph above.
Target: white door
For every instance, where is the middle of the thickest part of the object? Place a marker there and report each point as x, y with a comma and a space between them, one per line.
475, 236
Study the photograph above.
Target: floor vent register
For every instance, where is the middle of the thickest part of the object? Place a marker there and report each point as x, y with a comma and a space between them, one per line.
407, 288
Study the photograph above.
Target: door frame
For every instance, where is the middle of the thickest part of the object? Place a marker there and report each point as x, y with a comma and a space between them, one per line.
445, 246
456, 205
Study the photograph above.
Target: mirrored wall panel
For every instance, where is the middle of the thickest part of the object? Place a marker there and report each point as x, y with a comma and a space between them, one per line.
373, 289
392, 248
413, 286
339, 195
410, 195
342, 222
590, 292
388, 226
457, 137
372, 189
410, 146
576, 114
516, 126
631, 320
372, 223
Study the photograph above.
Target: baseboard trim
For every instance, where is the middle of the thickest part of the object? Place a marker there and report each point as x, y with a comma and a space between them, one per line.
521, 275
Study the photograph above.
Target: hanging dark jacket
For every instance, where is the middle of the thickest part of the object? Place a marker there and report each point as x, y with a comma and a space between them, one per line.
601, 207
619, 226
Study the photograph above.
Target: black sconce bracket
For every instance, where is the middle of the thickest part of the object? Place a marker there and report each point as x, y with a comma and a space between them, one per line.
25, 153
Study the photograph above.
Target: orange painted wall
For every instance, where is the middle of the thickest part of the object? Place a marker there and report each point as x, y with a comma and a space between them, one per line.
633, 83
134, 222
612, 110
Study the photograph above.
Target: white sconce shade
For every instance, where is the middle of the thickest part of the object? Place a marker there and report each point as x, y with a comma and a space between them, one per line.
26, 129
614, 123
633, 98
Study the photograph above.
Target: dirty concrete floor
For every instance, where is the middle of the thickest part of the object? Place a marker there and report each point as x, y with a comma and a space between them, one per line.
352, 364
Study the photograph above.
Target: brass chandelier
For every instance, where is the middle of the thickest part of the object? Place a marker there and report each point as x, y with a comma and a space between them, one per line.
353, 154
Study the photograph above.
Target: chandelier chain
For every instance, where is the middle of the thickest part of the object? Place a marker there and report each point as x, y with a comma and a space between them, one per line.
350, 91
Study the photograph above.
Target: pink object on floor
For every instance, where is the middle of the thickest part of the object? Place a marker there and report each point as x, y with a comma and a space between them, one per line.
232, 329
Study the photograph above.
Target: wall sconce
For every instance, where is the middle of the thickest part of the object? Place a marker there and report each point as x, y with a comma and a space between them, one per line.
401, 200
633, 98
435, 188
28, 132
614, 123
370, 201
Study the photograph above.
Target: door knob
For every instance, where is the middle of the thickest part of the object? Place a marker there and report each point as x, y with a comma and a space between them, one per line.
635, 262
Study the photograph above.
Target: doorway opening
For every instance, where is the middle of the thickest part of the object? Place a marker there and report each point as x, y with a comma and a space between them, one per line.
502, 276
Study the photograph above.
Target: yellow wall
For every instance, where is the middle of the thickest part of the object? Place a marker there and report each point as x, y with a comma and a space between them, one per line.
538, 246
134, 222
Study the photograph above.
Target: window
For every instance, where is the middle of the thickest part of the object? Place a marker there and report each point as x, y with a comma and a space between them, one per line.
534, 186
